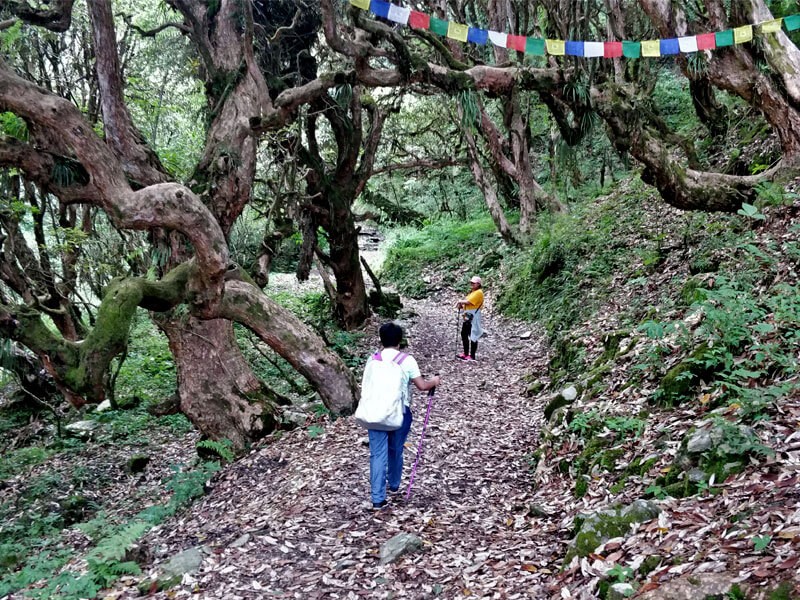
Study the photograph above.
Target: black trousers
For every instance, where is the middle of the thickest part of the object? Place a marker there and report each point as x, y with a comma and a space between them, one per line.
469, 347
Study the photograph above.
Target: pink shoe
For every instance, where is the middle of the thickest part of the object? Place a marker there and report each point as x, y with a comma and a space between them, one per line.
463, 356
468, 359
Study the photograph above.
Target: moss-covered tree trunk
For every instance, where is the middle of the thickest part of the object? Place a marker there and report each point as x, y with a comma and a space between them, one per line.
352, 307
218, 390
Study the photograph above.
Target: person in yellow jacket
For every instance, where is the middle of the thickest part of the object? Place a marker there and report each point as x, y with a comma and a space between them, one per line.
471, 330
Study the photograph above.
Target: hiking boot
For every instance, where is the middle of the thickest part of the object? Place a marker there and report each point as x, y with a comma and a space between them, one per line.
377, 506
394, 491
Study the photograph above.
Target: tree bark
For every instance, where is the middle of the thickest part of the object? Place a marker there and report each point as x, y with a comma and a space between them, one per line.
290, 338
489, 194
218, 390
734, 69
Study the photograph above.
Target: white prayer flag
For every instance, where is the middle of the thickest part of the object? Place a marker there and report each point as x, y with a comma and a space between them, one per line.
498, 38
593, 49
399, 14
688, 44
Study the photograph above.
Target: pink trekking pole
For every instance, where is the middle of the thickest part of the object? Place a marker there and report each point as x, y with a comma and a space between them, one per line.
421, 437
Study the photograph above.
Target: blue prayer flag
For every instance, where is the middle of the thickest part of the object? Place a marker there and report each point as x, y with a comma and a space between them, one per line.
477, 36
380, 8
574, 48
670, 46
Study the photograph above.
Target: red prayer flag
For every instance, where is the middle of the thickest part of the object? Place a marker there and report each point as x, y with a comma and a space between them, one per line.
419, 20
706, 41
516, 42
612, 49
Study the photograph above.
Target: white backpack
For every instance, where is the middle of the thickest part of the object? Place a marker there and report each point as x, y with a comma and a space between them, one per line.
382, 392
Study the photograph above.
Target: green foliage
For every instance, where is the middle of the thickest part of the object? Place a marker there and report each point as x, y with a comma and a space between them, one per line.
13, 126
221, 448
619, 573
442, 248
315, 431
657, 491
342, 95
18, 460
751, 212
188, 485
736, 441
470, 111
106, 561
149, 369
760, 542
570, 255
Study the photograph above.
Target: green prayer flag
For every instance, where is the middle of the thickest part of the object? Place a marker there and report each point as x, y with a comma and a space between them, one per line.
631, 49
534, 46
724, 38
440, 26
792, 22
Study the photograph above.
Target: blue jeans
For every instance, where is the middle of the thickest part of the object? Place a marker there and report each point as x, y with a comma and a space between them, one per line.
386, 456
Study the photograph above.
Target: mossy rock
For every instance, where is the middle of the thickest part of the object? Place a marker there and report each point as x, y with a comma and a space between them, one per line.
556, 402
137, 463
387, 304
535, 388
597, 528
718, 450
608, 459
76, 509
679, 382
611, 346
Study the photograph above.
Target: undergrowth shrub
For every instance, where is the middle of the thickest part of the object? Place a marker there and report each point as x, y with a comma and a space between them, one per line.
442, 249
559, 279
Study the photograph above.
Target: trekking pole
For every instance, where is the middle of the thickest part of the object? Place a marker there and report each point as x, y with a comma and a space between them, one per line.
421, 437
458, 328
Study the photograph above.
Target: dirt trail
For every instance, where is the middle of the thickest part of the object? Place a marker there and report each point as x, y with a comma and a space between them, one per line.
291, 520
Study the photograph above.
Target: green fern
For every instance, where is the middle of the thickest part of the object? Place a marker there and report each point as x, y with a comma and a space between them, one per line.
114, 547
221, 448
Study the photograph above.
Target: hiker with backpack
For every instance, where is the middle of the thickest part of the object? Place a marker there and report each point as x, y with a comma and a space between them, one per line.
385, 410
471, 330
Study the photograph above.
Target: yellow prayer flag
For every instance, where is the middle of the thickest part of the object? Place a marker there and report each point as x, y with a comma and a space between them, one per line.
457, 31
651, 48
742, 34
555, 47
362, 4
773, 26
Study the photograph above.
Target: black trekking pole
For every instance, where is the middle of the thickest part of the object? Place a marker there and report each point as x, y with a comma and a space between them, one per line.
431, 393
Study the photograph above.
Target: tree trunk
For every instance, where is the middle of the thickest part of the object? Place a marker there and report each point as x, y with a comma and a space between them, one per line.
489, 194
218, 390
352, 308
735, 69
710, 112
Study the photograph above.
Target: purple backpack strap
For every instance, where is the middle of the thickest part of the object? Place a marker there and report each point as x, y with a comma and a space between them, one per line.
400, 357
377, 356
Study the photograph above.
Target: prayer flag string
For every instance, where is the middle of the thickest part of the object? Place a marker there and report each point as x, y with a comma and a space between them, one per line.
588, 49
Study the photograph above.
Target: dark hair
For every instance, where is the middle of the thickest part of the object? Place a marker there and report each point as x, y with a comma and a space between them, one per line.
391, 334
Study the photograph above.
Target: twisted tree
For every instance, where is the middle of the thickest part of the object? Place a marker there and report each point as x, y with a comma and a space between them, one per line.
119, 174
